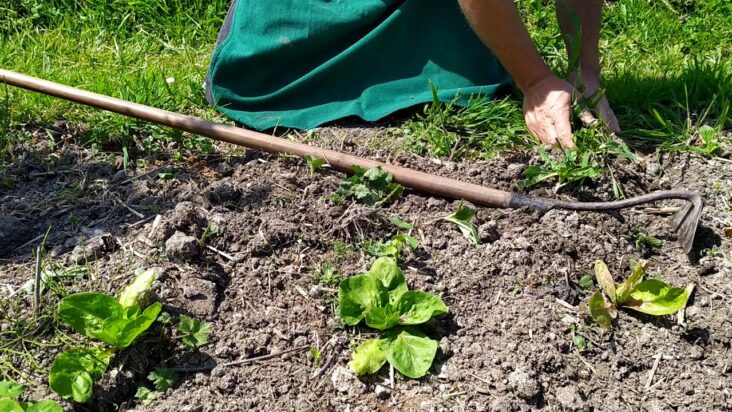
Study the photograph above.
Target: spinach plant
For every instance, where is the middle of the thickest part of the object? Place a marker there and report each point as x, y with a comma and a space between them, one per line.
462, 218
394, 247
10, 391
373, 187
651, 296
116, 322
383, 300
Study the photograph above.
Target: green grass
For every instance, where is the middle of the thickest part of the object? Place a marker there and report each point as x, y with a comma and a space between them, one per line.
667, 67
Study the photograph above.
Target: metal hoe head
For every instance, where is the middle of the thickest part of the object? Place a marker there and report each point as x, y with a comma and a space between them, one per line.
686, 220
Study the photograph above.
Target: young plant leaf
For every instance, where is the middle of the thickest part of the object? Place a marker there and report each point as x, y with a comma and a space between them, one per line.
11, 389
386, 271
194, 332
418, 307
142, 283
410, 352
73, 372
638, 270
314, 163
382, 318
87, 312
605, 280
43, 406
599, 311
586, 282
9, 405
401, 224
162, 378
136, 326
358, 294
367, 358
462, 217
655, 297
145, 395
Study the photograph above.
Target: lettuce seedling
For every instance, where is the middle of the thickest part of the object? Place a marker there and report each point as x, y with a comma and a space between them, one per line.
10, 391
652, 296
116, 322
462, 217
315, 163
373, 187
383, 300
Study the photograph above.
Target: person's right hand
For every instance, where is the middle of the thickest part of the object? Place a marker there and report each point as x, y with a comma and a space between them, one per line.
547, 111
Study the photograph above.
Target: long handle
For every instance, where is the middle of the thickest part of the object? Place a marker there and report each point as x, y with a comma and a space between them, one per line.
420, 181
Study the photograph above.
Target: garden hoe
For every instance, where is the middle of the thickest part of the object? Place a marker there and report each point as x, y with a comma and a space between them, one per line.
685, 221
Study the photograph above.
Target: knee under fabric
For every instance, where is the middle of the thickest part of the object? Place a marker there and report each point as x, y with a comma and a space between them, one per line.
302, 63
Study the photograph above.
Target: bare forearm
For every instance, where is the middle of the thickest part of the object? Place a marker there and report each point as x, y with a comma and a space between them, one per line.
589, 16
498, 25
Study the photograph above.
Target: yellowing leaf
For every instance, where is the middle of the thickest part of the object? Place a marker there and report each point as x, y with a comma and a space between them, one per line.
655, 297
367, 358
605, 280
636, 276
140, 285
599, 311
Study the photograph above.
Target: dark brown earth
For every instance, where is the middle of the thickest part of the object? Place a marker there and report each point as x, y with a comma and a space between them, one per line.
267, 223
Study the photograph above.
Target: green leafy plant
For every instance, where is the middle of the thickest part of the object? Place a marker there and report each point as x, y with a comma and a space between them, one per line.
145, 395
194, 332
162, 378
572, 167
651, 296
10, 391
315, 163
327, 275
373, 187
462, 218
116, 322
586, 282
644, 242
383, 300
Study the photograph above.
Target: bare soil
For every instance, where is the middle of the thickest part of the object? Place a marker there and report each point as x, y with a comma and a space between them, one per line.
263, 223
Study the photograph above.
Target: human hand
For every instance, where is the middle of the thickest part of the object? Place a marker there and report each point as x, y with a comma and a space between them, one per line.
547, 110
591, 85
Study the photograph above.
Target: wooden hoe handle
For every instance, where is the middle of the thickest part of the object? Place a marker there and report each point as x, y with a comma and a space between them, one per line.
420, 181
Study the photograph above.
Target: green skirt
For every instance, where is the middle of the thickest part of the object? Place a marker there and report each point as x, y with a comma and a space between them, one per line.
302, 63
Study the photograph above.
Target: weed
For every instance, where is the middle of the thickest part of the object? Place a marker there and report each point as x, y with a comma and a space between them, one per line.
145, 395
651, 296
327, 275
462, 218
193, 332
162, 378
315, 163
644, 242
315, 354
373, 187
382, 298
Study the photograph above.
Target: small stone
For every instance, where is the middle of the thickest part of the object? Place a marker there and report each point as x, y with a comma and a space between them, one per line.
696, 353
569, 398
524, 384
381, 392
488, 232
444, 372
181, 246
93, 249
342, 379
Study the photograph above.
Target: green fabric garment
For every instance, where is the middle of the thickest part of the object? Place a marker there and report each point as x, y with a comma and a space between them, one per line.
301, 63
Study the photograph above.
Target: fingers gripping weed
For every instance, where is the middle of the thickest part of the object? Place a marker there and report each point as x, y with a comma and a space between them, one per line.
383, 300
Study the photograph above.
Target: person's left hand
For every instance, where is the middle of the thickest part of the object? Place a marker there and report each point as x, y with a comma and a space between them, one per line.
591, 85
